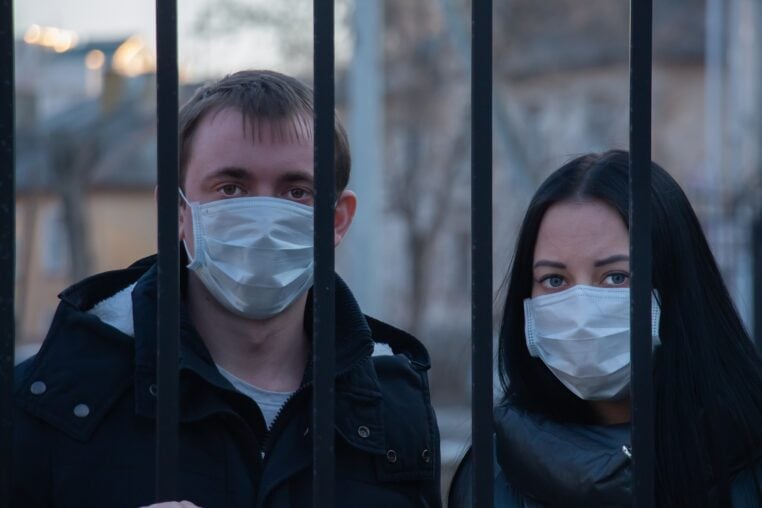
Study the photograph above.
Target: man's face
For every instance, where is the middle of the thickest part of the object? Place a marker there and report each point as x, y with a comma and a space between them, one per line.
227, 162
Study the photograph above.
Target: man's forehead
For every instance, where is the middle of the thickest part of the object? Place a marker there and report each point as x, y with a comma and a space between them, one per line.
297, 127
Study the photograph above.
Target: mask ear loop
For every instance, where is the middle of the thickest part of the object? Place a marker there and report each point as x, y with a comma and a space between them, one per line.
530, 332
185, 244
655, 319
183, 196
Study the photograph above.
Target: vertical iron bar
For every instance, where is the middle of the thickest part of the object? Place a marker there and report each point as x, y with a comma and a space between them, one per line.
7, 246
714, 111
168, 321
756, 227
323, 290
643, 455
756, 252
481, 251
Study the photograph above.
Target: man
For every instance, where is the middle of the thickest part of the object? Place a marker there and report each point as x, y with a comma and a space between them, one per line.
84, 428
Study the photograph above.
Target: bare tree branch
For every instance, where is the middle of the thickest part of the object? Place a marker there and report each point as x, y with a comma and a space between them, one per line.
507, 131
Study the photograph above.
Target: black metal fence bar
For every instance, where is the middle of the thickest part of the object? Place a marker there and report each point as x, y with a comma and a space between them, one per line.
323, 354
481, 251
7, 245
756, 249
168, 321
643, 448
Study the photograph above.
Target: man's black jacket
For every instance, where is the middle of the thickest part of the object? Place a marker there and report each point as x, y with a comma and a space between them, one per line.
85, 416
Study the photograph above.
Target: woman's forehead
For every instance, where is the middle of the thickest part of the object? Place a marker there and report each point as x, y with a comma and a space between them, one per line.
581, 230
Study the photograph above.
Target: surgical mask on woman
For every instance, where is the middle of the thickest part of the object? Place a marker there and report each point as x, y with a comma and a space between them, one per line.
582, 334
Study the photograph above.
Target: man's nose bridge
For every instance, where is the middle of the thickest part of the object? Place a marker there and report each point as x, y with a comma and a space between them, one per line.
264, 188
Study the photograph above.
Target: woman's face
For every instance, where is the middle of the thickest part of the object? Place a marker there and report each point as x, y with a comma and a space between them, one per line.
580, 242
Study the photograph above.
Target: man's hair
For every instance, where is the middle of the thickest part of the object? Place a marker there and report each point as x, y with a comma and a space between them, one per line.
283, 103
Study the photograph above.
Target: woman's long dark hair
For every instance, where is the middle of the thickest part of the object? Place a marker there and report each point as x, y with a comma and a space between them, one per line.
707, 374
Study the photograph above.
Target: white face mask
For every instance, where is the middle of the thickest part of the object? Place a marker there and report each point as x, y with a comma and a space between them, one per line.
582, 334
253, 254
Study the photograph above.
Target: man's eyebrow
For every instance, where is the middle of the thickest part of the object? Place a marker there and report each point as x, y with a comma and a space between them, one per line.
228, 172
611, 259
297, 176
551, 264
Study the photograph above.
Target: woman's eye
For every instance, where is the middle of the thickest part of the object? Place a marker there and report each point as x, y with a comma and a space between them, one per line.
552, 281
616, 279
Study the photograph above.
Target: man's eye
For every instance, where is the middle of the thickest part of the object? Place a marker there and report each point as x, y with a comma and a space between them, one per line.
298, 193
230, 190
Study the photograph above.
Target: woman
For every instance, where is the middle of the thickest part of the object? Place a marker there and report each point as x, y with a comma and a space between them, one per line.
562, 428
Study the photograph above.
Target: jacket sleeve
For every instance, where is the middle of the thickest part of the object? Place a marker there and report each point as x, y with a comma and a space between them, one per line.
30, 452
30, 464
461, 494
433, 490
746, 488
411, 423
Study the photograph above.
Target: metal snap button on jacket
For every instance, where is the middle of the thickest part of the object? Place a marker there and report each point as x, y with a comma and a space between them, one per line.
81, 410
38, 388
363, 431
153, 390
426, 455
391, 456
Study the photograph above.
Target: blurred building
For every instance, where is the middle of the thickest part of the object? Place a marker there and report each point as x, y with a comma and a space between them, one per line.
86, 169
561, 88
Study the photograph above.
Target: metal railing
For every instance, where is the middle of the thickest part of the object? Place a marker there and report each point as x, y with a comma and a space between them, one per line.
641, 385
7, 244
481, 251
323, 354
323, 291
168, 315
756, 250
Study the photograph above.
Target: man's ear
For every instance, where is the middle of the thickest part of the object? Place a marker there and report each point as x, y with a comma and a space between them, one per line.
180, 214
343, 215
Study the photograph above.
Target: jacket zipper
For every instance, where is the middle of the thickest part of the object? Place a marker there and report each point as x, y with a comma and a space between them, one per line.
266, 441
269, 435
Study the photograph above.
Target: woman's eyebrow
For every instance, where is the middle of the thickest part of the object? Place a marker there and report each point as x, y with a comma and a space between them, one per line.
551, 264
611, 259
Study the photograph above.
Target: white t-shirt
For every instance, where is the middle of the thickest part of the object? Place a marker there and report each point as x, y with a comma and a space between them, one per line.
270, 403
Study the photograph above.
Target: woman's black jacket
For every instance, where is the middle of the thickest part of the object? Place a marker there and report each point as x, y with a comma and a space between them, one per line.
540, 462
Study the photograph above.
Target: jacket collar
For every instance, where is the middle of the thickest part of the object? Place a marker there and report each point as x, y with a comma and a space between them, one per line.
353, 334
562, 464
85, 361
84, 365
